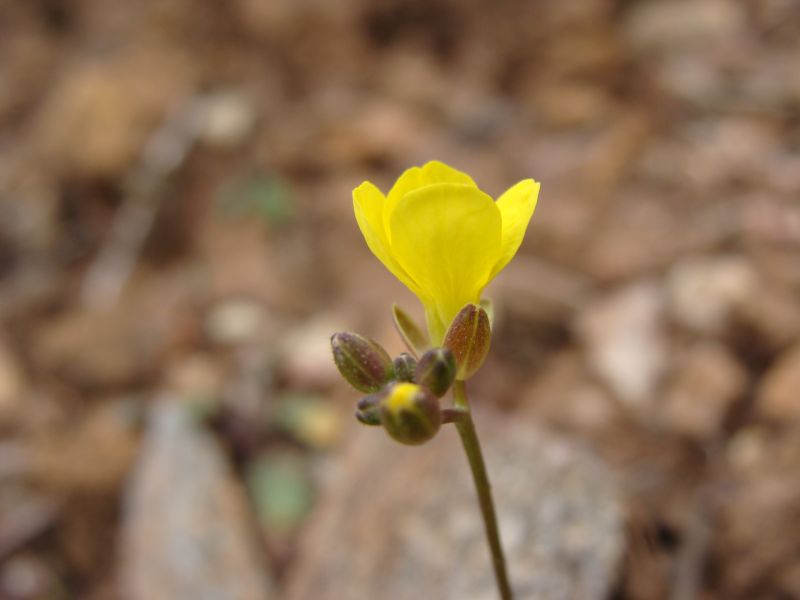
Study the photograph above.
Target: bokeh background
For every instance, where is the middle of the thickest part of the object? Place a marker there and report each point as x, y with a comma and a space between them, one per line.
176, 237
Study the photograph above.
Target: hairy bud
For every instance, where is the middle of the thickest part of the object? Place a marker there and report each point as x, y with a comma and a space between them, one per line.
468, 338
404, 367
368, 409
410, 414
361, 361
436, 370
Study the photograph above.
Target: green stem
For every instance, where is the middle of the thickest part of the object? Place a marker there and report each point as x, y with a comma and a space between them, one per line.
472, 447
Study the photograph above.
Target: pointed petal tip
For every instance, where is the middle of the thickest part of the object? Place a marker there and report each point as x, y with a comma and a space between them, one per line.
365, 187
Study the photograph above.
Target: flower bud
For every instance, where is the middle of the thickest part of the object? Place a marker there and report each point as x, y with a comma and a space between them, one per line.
361, 361
404, 367
410, 414
436, 370
412, 335
368, 409
468, 338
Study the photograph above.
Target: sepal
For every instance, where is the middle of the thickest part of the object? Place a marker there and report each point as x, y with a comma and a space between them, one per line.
488, 305
412, 334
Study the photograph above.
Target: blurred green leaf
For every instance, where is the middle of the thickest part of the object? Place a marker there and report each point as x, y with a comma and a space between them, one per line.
280, 486
265, 196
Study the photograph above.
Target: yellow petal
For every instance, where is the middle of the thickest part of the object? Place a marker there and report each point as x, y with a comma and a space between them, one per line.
516, 209
368, 205
417, 177
436, 325
447, 238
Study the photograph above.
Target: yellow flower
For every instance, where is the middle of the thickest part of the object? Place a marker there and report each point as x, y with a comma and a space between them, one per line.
443, 237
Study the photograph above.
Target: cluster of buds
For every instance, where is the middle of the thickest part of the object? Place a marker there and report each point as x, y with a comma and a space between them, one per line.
403, 393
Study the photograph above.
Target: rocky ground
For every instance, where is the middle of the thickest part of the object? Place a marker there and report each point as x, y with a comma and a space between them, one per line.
177, 244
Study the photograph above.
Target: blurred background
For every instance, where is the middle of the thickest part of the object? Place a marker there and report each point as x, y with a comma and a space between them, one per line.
177, 244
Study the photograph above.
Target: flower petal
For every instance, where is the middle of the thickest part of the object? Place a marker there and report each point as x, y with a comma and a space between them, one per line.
447, 238
368, 206
417, 177
516, 209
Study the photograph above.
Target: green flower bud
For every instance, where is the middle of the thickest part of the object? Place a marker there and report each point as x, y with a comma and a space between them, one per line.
404, 367
412, 335
410, 414
436, 370
368, 409
468, 338
361, 361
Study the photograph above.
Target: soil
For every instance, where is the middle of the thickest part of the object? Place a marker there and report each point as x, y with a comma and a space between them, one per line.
175, 221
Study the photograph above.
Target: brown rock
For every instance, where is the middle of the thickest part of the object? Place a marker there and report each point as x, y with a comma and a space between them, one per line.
625, 342
565, 396
403, 523
228, 119
12, 384
704, 291
771, 316
757, 518
570, 105
28, 576
667, 24
306, 353
92, 349
187, 533
708, 380
538, 290
237, 321
94, 456
778, 395
97, 119
196, 377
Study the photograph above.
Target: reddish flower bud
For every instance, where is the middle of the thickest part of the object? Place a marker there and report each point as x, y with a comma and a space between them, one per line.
468, 338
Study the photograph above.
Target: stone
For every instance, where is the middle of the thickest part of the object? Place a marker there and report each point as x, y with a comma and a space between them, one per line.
770, 317
26, 576
12, 384
707, 381
306, 356
92, 457
667, 24
97, 119
756, 514
704, 291
228, 119
565, 396
778, 394
725, 150
236, 321
187, 532
98, 350
624, 340
197, 377
404, 523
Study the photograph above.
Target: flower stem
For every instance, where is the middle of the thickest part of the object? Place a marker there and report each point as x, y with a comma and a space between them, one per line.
472, 448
